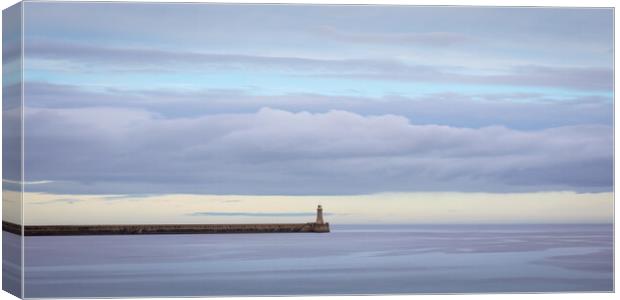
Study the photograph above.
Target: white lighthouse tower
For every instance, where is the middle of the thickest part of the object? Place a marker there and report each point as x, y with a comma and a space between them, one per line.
319, 215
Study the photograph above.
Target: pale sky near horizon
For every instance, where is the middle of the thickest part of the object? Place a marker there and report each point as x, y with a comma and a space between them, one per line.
385, 114
385, 208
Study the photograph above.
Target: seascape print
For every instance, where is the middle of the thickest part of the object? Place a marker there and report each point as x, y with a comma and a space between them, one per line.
175, 149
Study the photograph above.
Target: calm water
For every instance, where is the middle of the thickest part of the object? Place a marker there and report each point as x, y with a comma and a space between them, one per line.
349, 260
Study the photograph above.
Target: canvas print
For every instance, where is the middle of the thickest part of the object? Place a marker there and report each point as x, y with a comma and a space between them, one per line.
204, 149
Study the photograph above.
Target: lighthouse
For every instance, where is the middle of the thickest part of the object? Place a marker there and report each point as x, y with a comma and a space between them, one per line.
319, 215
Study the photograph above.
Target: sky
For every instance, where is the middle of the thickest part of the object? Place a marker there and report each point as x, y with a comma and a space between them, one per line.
377, 112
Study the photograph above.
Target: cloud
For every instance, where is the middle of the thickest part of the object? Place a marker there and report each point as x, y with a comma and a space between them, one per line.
128, 197
513, 110
67, 201
254, 214
149, 59
271, 151
579, 78
26, 182
430, 39
77, 57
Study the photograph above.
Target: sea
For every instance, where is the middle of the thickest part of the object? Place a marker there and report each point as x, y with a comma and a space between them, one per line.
351, 260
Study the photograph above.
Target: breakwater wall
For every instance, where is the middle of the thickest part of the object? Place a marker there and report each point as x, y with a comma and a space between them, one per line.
37, 230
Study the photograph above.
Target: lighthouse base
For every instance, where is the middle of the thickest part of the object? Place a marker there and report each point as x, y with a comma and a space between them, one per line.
316, 227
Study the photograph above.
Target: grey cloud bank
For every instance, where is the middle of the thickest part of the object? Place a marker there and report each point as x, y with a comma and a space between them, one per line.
83, 57
514, 110
316, 100
431, 39
278, 152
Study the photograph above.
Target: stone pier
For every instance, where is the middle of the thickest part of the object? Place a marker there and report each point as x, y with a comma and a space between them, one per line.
35, 230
